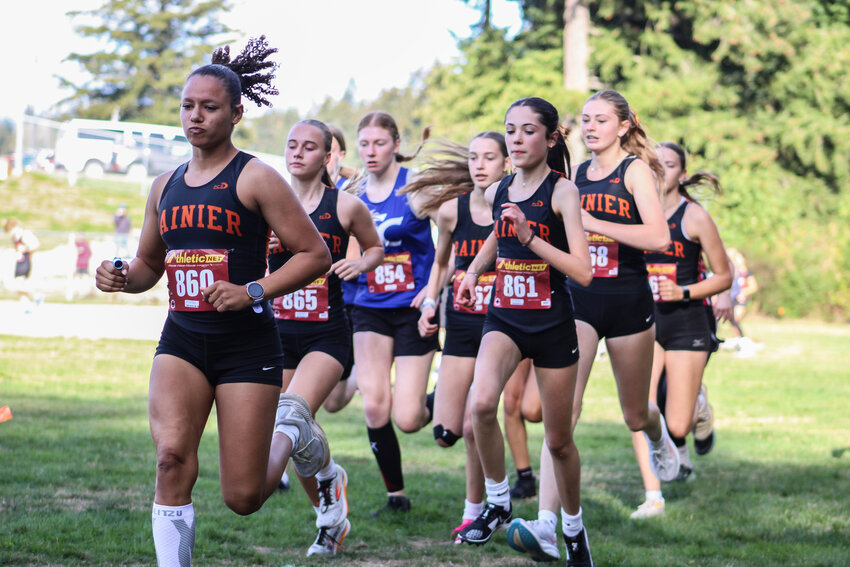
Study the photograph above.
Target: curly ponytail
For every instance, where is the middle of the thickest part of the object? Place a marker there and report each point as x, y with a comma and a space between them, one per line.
244, 75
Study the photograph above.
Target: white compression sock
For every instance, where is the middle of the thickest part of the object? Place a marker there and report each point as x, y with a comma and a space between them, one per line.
173, 534
571, 525
328, 472
498, 493
549, 518
471, 510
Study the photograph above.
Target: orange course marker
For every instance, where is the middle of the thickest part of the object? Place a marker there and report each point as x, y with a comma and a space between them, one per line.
5, 414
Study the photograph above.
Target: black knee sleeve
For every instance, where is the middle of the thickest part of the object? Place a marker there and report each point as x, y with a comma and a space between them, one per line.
445, 435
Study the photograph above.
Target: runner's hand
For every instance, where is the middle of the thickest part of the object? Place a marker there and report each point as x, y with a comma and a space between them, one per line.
225, 296
109, 279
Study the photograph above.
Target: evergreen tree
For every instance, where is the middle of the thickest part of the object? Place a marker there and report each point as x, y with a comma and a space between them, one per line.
151, 46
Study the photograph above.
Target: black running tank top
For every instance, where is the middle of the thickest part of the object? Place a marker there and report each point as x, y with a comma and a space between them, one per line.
326, 219
549, 227
683, 252
617, 267
210, 216
467, 239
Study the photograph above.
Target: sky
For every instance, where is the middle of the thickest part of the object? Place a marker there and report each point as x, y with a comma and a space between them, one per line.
324, 44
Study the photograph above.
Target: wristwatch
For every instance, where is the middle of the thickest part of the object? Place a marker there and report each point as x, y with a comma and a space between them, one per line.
686, 293
255, 292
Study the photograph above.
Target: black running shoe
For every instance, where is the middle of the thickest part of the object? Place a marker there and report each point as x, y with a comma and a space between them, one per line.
686, 474
525, 487
394, 504
578, 550
702, 447
488, 522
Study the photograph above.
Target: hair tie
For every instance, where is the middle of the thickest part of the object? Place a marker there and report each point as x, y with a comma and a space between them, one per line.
637, 120
565, 132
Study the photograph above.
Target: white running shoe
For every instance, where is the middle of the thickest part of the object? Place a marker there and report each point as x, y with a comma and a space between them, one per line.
649, 509
663, 456
329, 540
311, 452
534, 538
333, 502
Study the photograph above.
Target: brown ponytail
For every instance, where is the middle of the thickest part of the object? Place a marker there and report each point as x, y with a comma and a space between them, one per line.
698, 179
445, 172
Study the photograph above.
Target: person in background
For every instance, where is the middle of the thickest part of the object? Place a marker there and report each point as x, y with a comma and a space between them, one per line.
25, 244
123, 225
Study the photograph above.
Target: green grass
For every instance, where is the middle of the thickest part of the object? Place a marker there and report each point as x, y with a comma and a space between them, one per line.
77, 470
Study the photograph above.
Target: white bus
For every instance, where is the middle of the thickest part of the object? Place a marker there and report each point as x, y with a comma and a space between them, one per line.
94, 147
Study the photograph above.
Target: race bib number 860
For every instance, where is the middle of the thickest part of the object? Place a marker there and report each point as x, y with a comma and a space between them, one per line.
189, 273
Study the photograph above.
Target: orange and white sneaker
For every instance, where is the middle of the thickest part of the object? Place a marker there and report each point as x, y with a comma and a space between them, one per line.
649, 509
329, 540
333, 500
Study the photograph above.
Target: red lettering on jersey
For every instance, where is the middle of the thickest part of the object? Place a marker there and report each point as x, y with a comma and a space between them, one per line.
174, 217
221, 186
333, 242
233, 221
537, 203
615, 180
624, 209
609, 202
212, 218
544, 232
678, 250
324, 216
163, 224
186, 215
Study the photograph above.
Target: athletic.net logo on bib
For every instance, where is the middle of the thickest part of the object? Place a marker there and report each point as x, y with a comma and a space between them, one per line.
393, 276
604, 255
483, 289
310, 303
657, 274
522, 284
189, 273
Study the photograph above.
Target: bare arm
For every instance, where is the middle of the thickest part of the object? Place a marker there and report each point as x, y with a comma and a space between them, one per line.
446, 222
701, 228
263, 190
575, 264
355, 217
652, 233
143, 271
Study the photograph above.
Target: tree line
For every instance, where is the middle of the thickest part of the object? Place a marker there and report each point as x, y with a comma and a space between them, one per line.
756, 91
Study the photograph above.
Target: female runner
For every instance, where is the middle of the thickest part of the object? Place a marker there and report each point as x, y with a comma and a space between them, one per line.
386, 306
622, 215
538, 242
207, 225
312, 321
684, 336
465, 221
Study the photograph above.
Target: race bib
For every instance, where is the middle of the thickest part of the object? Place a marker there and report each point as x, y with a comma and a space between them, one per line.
310, 303
189, 273
522, 284
604, 255
658, 273
393, 276
483, 289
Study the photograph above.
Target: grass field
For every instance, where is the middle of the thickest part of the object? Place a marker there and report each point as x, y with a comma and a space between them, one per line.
76, 470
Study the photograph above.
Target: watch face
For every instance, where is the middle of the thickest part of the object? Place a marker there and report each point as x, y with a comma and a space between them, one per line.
255, 290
